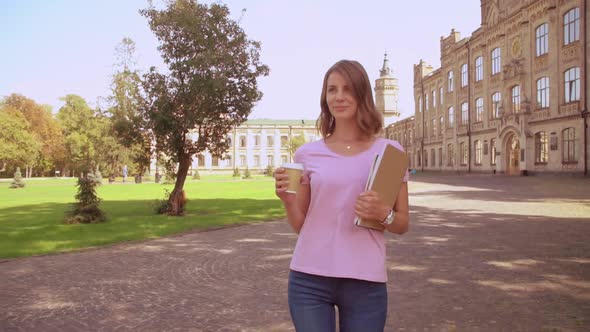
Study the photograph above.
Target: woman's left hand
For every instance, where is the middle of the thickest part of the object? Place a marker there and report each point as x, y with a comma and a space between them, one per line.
370, 206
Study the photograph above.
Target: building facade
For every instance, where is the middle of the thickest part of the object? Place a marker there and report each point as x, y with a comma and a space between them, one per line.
512, 98
257, 144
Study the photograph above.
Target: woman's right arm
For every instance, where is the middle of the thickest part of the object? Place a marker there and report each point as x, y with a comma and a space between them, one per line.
296, 205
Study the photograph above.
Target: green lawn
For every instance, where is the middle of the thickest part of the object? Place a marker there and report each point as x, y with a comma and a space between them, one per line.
31, 219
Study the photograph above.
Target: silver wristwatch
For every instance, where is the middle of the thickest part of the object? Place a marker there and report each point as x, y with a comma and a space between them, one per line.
389, 219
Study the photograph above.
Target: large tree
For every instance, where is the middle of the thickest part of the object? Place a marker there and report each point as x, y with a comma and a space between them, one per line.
46, 130
210, 85
128, 124
18, 147
81, 131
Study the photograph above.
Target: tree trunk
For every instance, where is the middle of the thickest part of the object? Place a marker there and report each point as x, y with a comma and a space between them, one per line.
177, 197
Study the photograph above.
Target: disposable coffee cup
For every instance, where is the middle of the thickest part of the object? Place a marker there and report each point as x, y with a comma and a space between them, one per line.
294, 171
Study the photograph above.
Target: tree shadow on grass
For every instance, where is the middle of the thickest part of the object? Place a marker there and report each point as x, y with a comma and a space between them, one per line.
39, 229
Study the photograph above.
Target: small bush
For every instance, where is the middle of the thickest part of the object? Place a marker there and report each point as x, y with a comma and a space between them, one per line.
247, 174
269, 170
196, 176
87, 210
18, 180
236, 173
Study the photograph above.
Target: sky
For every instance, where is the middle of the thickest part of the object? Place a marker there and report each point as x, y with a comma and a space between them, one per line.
53, 48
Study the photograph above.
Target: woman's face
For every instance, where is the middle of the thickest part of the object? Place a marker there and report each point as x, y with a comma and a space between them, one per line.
340, 97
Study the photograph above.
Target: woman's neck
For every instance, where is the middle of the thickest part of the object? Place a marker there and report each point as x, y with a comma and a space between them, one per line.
347, 131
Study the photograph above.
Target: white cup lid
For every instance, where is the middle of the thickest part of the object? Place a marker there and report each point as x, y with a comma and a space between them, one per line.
293, 166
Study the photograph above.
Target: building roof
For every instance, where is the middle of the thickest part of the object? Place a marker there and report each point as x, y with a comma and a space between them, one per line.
271, 122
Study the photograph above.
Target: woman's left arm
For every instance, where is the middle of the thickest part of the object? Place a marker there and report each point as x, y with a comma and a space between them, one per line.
401, 221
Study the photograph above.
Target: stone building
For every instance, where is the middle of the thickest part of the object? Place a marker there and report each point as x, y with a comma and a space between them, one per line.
256, 144
512, 98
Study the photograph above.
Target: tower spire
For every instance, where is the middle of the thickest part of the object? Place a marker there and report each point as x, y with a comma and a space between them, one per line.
385, 71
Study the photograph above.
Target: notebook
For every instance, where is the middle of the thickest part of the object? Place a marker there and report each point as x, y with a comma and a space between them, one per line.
385, 177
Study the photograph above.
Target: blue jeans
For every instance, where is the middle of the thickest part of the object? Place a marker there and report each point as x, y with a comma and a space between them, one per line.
362, 305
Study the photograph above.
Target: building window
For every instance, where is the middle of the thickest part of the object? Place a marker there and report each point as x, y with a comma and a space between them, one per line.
493, 152
543, 92
270, 160
270, 141
284, 159
463, 153
478, 152
284, 141
464, 75
440, 157
419, 104
256, 140
433, 127
256, 161
572, 84
516, 99
450, 81
479, 110
542, 35
450, 118
425, 157
432, 157
496, 103
426, 102
433, 98
478, 68
200, 161
496, 60
450, 155
243, 141
541, 148
215, 161
441, 125
440, 94
569, 145
464, 114
243, 161
571, 26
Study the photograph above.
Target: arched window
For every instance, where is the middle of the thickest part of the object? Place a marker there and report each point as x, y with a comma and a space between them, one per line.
571, 26
572, 84
450, 81
516, 99
543, 92
464, 75
496, 60
450, 117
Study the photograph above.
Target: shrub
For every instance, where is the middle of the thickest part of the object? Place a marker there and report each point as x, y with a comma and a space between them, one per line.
18, 180
196, 176
269, 170
236, 173
87, 210
247, 174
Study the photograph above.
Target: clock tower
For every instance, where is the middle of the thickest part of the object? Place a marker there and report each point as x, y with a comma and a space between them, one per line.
386, 94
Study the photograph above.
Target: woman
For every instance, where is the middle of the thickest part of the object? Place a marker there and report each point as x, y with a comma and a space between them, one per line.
336, 263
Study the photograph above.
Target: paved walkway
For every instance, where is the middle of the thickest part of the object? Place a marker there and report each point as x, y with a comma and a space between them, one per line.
484, 253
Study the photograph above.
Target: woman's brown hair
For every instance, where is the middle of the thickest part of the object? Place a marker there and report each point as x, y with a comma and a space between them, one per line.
368, 119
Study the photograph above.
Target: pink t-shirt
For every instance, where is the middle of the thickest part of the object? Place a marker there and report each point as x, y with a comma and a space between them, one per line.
329, 243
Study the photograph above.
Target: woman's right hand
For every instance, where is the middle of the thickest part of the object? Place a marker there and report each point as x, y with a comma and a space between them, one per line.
281, 184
